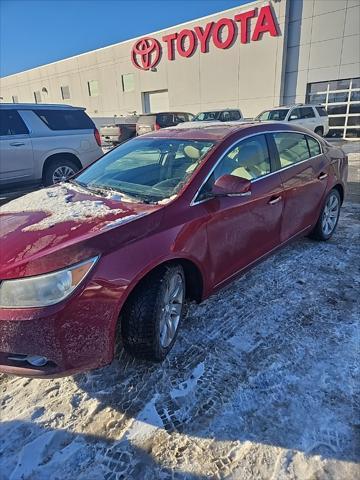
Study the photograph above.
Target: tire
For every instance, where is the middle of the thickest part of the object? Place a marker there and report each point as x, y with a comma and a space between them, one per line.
68, 167
143, 318
320, 232
319, 131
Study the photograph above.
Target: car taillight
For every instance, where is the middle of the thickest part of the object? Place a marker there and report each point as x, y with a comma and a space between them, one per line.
157, 126
97, 137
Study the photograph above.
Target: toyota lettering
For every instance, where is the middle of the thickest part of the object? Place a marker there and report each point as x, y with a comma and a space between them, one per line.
146, 52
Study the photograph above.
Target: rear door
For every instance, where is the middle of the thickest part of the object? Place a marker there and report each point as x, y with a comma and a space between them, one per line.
304, 173
241, 229
16, 152
304, 116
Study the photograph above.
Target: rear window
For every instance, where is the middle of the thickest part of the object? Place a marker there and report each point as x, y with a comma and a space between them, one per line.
164, 119
146, 119
321, 111
292, 148
65, 119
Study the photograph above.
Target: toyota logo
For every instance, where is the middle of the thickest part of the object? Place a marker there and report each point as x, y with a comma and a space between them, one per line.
145, 53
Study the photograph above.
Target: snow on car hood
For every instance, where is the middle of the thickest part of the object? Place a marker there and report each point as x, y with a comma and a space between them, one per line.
48, 220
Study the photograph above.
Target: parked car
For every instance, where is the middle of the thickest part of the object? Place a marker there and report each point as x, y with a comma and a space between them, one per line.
313, 117
118, 132
227, 115
44, 143
173, 215
154, 121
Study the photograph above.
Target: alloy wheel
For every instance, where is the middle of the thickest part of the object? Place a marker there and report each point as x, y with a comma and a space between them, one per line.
330, 214
171, 310
62, 173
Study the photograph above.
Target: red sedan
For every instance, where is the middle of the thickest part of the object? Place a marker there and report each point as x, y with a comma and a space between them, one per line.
112, 255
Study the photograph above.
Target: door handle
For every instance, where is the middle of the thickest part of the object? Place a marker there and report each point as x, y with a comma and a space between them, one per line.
17, 144
322, 176
275, 200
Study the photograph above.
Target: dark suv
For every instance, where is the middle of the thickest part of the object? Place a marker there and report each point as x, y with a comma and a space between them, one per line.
154, 121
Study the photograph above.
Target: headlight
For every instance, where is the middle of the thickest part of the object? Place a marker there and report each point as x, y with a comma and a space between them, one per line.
43, 290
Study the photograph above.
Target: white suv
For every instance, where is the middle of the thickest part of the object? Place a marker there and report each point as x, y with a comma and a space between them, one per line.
313, 117
44, 143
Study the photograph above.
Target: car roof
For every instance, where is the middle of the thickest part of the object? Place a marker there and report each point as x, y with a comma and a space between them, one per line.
216, 132
38, 106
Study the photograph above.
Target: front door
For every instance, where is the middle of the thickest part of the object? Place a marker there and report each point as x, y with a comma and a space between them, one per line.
242, 229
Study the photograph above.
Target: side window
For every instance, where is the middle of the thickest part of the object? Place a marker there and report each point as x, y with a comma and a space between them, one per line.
306, 112
65, 119
249, 159
11, 123
225, 116
314, 146
165, 119
295, 114
180, 117
292, 148
321, 111
235, 115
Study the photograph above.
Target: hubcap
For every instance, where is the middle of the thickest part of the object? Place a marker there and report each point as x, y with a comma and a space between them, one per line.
171, 309
61, 174
330, 214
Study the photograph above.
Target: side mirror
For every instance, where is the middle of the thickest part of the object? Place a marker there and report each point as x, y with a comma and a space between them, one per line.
293, 117
232, 186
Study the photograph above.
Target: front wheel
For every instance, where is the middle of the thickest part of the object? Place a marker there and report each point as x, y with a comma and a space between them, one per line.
152, 316
329, 216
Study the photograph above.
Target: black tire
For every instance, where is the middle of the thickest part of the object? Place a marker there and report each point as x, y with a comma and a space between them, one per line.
319, 233
55, 165
319, 131
142, 313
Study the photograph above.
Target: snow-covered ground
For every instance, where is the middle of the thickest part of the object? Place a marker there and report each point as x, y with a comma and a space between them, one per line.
262, 384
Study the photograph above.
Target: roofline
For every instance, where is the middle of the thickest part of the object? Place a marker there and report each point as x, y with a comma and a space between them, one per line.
34, 106
130, 39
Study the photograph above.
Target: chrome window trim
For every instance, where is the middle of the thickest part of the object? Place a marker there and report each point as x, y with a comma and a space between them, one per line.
194, 202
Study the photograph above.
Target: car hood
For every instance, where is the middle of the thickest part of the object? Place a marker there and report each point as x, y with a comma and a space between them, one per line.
61, 225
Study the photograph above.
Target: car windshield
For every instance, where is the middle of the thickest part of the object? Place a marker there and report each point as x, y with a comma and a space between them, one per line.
149, 170
206, 116
276, 115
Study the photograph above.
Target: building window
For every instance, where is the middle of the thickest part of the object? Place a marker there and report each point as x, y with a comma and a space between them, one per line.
341, 98
128, 82
65, 92
37, 96
15, 99
93, 88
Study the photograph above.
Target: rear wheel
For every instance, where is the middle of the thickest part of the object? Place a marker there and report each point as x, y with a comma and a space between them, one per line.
319, 131
328, 218
59, 171
152, 316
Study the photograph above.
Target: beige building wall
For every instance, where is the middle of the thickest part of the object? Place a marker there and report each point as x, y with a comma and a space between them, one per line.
249, 76
323, 44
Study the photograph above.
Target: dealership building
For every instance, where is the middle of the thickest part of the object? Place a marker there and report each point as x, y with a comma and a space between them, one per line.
256, 56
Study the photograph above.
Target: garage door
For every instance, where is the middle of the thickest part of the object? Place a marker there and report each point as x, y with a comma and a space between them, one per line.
156, 101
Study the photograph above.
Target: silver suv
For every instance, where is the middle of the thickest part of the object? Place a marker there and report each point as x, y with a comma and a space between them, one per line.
313, 117
44, 143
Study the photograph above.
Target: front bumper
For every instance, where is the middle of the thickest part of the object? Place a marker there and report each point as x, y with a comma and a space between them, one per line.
76, 335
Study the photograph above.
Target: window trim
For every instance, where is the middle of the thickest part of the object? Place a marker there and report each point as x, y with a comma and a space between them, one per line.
270, 148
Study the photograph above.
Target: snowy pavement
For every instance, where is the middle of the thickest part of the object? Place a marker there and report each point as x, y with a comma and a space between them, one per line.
262, 384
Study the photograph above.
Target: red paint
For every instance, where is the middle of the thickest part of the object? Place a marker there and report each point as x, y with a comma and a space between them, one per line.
221, 236
184, 36
264, 23
170, 42
220, 26
203, 35
244, 20
146, 52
